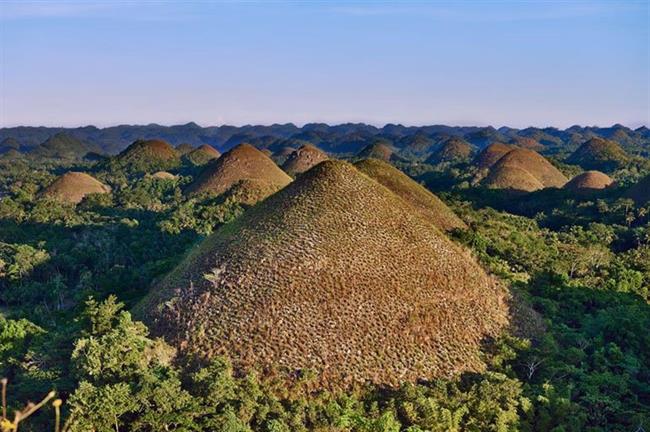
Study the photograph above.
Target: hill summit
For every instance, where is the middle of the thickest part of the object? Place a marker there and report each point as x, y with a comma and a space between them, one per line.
202, 155
335, 274
598, 154
243, 162
302, 159
491, 154
523, 170
72, 187
376, 150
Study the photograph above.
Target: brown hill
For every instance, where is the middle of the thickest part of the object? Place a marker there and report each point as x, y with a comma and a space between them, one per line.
599, 154
163, 175
72, 187
202, 155
590, 180
452, 150
528, 143
240, 163
430, 206
379, 151
303, 159
640, 192
491, 154
335, 274
523, 170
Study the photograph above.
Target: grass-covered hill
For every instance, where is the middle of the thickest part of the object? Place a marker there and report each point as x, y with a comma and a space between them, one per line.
491, 154
63, 146
303, 159
72, 187
145, 156
453, 149
599, 154
201, 155
336, 274
523, 170
589, 180
243, 162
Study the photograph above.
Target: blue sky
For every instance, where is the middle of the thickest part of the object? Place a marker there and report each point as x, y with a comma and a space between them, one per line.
515, 63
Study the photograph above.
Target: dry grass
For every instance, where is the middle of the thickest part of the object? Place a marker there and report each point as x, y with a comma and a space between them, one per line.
303, 159
590, 180
337, 274
243, 162
421, 199
73, 186
524, 170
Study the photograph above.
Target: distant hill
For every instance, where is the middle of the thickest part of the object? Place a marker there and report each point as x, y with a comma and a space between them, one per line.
147, 156
421, 199
72, 187
599, 154
491, 154
379, 151
63, 146
201, 155
280, 156
347, 139
243, 162
335, 274
302, 159
9, 143
454, 149
589, 180
183, 149
523, 170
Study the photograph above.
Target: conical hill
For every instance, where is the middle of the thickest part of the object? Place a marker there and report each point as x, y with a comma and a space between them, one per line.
335, 274
243, 162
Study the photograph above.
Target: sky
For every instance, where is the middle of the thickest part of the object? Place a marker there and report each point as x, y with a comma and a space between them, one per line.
514, 63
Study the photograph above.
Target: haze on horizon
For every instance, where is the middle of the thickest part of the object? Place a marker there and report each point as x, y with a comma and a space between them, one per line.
498, 62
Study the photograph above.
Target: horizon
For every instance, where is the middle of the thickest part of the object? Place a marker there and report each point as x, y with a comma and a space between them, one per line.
110, 63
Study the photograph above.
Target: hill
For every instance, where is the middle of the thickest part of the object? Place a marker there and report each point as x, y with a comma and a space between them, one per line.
417, 196
147, 156
281, 155
303, 159
335, 274
63, 146
598, 154
202, 155
640, 192
590, 180
72, 187
183, 149
379, 151
523, 170
240, 163
453, 149
9, 143
491, 154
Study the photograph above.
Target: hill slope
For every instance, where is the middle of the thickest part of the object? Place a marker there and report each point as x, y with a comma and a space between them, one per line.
430, 206
302, 159
379, 151
598, 154
336, 274
640, 192
202, 155
63, 146
523, 170
243, 162
72, 187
